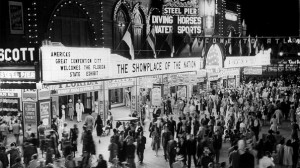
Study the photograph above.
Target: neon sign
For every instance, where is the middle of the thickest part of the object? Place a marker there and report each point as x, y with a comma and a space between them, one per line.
181, 16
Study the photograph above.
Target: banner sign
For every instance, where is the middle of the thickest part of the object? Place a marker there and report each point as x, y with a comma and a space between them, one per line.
146, 67
178, 17
63, 64
121, 83
17, 75
262, 58
253, 70
29, 113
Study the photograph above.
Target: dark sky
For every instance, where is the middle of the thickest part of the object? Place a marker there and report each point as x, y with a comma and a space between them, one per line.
270, 17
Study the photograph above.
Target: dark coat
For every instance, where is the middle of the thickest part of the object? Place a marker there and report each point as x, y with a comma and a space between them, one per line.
140, 143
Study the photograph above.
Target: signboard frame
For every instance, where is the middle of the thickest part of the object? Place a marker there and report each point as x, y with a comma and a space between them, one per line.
14, 27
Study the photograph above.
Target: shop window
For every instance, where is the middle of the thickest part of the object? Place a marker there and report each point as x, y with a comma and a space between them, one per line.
9, 106
71, 27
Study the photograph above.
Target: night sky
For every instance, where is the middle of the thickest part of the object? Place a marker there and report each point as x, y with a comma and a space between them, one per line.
270, 17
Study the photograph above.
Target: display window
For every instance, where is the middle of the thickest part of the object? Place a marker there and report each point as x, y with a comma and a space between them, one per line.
116, 96
9, 106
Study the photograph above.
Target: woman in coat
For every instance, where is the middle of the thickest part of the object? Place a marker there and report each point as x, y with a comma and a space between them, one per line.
88, 142
73, 138
287, 154
98, 125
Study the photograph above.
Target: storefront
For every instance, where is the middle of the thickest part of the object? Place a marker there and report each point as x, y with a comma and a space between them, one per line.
18, 78
71, 74
120, 91
156, 78
230, 77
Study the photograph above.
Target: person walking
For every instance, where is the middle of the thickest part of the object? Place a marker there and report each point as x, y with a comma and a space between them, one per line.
165, 139
191, 145
16, 131
140, 146
217, 144
99, 125
79, 110
89, 121
130, 151
14, 153
171, 150
73, 138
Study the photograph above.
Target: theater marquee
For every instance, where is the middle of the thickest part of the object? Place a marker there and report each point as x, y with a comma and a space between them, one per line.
70, 64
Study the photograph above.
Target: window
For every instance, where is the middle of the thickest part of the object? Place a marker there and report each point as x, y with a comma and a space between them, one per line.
138, 28
71, 27
120, 27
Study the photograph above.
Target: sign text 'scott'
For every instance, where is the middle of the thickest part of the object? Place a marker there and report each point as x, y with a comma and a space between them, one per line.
61, 64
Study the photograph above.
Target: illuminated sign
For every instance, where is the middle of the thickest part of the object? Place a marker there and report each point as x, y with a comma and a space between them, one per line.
214, 58
17, 74
253, 70
178, 17
262, 58
61, 64
209, 19
146, 67
17, 54
230, 16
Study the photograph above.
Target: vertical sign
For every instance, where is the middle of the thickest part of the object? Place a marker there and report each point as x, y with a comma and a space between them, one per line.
156, 95
16, 17
45, 113
209, 20
133, 103
29, 110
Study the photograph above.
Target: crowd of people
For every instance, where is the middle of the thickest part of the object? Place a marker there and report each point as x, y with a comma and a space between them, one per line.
190, 131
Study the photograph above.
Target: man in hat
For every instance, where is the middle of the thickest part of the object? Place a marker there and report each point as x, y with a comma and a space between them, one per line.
79, 110
141, 143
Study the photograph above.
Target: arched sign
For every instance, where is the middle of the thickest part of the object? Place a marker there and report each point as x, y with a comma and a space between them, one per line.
214, 57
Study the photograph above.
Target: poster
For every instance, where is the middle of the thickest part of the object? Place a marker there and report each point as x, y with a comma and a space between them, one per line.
30, 121
16, 17
156, 95
45, 113
181, 92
